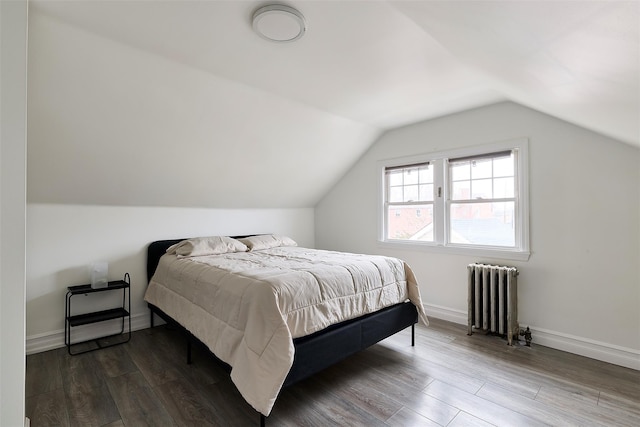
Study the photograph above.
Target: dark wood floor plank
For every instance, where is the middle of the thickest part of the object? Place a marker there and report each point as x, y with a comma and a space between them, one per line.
407, 417
432, 408
377, 379
91, 407
326, 402
47, 409
385, 383
81, 373
137, 404
482, 408
622, 404
485, 368
291, 410
369, 398
412, 372
440, 368
205, 369
531, 408
186, 404
549, 365
536, 366
150, 358
447, 379
227, 403
571, 396
115, 361
585, 406
44, 373
466, 420
402, 368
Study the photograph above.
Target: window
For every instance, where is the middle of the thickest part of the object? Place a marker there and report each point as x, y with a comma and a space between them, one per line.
409, 192
466, 201
481, 202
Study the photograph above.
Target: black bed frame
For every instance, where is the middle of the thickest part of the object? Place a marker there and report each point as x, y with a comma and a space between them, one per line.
318, 351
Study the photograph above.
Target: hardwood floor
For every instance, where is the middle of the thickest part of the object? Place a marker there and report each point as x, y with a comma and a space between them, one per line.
447, 379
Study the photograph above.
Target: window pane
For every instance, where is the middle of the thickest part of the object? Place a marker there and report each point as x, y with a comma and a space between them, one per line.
461, 190
460, 171
426, 193
395, 177
490, 224
503, 188
426, 175
410, 193
410, 223
481, 168
481, 189
410, 184
411, 176
395, 194
503, 166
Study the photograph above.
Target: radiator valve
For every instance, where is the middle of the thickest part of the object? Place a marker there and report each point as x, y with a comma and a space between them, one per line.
527, 336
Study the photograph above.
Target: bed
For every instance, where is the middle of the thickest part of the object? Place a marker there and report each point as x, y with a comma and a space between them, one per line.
274, 312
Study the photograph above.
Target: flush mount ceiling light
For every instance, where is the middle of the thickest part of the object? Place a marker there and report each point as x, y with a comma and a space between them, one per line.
279, 23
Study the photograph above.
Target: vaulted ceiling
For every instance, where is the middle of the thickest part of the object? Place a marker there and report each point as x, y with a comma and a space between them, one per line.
180, 103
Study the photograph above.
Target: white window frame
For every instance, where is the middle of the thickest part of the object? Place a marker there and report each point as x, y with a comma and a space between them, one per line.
439, 160
405, 203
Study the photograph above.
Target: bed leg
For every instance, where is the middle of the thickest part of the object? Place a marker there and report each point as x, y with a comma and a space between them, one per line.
151, 313
188, 351
263, 420
413, 335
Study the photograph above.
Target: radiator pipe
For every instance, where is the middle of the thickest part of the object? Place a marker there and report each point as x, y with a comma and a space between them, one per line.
527, 336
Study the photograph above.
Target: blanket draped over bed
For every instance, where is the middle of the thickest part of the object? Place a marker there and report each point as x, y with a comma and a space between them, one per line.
248, 306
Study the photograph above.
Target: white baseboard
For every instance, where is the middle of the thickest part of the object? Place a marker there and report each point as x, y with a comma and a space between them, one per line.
605, 352
611, 353
55, 339
445, 313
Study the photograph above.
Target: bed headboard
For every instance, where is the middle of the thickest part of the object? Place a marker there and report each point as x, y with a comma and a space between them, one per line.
158, 248
154, 252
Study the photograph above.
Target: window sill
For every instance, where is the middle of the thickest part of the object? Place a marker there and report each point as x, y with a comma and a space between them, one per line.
512, 255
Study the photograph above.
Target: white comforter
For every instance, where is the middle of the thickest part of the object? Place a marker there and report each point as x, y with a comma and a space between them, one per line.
247, 306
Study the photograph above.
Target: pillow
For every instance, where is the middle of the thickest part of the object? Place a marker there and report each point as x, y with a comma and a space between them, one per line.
201, 246
266, 241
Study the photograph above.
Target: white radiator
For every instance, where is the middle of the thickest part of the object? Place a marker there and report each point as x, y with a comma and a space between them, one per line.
493, 300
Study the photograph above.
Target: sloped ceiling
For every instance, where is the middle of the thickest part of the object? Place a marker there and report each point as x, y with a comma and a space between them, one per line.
179, 103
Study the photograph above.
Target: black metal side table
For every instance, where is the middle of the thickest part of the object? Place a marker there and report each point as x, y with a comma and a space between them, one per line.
120, 312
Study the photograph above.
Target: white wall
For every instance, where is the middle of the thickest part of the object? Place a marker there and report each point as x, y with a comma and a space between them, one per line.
100, 109
13, 67
580, 289
62, 240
